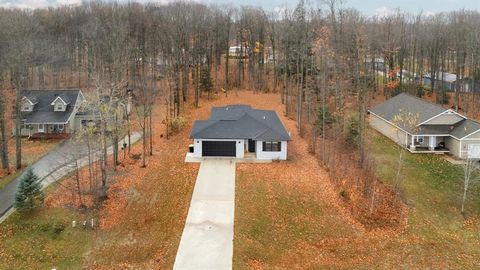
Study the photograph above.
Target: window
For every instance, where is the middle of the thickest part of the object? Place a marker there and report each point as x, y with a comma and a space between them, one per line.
419, 139
272, 146
58, 127
26, 108
59, 107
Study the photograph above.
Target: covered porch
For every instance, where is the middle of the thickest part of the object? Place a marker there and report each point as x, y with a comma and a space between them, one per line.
46, 131
427, 144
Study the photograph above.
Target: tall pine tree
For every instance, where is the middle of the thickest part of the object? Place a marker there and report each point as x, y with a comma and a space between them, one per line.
29, 192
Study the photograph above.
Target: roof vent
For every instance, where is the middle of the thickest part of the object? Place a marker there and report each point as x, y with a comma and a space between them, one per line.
226, 108
264, 117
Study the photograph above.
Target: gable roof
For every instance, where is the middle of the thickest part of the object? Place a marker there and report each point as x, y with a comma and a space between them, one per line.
240, 122
407, 103
43, 112
425, 111
465, 128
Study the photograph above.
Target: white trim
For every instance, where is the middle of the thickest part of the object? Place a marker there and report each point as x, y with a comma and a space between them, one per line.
53, 102
29, 101
439, 135
73, 114
46, 123
438, 115
475, 132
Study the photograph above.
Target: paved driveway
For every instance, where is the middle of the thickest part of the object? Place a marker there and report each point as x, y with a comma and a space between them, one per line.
53, 166
207, 239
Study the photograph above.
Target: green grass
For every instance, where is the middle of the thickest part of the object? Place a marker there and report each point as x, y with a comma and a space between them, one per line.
428, 182
43, 240
280, 226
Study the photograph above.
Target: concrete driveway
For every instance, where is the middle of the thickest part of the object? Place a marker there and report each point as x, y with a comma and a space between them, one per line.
53, 166
207, 239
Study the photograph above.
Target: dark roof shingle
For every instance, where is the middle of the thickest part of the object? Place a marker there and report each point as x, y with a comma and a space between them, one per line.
240, 122
43, 112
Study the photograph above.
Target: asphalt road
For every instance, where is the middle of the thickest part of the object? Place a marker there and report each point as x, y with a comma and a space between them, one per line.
53, 166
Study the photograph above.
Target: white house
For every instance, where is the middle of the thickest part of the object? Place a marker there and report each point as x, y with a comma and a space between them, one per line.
235, 130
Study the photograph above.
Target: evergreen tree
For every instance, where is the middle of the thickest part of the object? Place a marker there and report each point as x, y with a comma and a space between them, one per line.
29, 192
206, 83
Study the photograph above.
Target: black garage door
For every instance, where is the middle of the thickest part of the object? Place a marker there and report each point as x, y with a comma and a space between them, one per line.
218, 149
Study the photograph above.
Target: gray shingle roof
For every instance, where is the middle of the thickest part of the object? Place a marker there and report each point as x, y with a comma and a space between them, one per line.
43, 112
240, 122
465, 128
405, 102
425, 110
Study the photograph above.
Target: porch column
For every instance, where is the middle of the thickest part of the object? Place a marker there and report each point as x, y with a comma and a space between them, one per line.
412, 146
432, 142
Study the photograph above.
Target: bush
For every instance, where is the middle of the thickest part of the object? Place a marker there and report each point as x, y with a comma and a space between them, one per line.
443, 97
178, 124
352, 135
328, 118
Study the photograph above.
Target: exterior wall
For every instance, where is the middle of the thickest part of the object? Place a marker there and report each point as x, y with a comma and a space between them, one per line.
240, 146
77, 120
473, 139
453, 145
445, 119
389, 130
58, 101
26, 104
282, 155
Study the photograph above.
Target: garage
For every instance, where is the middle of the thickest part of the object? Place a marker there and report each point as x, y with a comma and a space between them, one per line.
219, 148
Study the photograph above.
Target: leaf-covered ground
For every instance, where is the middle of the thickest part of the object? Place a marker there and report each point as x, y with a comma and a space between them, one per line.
287, 216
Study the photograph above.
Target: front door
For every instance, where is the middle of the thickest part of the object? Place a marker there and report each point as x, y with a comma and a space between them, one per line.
41, 128
251, 146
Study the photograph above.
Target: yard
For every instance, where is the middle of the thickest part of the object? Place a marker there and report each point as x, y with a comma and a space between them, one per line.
288, 215
31, 152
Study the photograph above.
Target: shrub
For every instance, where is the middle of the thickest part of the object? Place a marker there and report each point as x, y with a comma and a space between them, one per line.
352, 135
178, 124
328, 118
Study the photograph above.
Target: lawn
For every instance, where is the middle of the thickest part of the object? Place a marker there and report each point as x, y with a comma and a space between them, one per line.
44, 240
288, 215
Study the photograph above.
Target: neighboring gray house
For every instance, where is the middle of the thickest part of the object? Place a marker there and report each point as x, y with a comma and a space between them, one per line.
235, 129
445, 79
49, 111
438, 130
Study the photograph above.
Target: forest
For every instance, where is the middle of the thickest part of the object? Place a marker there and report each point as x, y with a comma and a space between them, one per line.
328, 64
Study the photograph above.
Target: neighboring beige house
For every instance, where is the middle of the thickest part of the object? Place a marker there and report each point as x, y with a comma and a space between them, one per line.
50, 113
438, 130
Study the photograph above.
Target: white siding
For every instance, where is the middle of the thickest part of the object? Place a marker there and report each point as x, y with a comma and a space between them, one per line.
282, 155
197, 146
